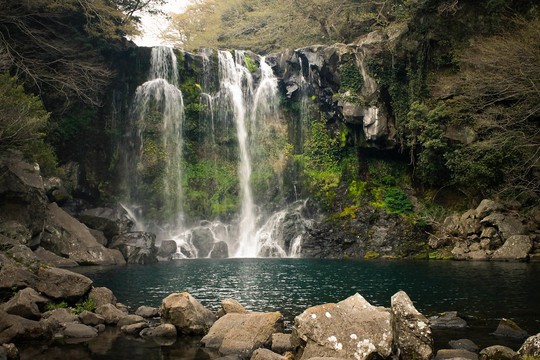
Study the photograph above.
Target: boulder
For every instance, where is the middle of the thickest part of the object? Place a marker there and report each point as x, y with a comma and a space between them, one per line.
281, 343
101, 296
455, 354
22, 198
55, 190
90, 318
507, 224
99, 236
464, 344
515, 248
487, 207
14, 328
122, 307
15, 276
412, 334
11, 351
62, 284
50, 258
15, 232
166, 250
163, 330
137, 247
110, 313
230, 306
23, 255
61, 315
352, 328
79, 331
509, 328
202, 239
130, 320
241, 334
133, 329
265, 354
26, 303
111, 221
186, 313
67, 237
498, 352
220, 250
447, 320
469, 223
531, 346
147, 311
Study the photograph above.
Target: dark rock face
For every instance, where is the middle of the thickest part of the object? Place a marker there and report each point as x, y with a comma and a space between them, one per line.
137, 247
111, 221
203, 240
66, 236
220, 250
372, 230
22, 200
166, 250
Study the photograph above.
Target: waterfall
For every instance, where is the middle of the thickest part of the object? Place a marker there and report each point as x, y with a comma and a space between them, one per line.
154, 182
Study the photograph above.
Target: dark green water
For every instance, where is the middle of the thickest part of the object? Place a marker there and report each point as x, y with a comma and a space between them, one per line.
482, 292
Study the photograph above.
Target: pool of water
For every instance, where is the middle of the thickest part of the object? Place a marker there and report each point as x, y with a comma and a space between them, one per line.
482, 292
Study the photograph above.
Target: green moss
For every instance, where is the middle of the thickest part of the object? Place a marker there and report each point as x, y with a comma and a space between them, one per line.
54, 306
440, 255
251, 65
369, 255
351, 79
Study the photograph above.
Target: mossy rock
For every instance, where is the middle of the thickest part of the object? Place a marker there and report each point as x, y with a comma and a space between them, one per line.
370, 255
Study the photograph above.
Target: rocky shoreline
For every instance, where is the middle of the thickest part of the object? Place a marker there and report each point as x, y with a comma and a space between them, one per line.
72, 311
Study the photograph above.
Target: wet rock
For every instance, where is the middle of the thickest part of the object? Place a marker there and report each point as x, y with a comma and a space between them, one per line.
203, 240
531, 346
67, 237
79, 331
412, 333
186, 313
464, 344
137, 247
220, 250
130, 320
135, 328
62, 316
509, 328
101, 296
111, 221
498, 352
62, 284
166, 250
163, 330
230, 306
50, 258
448, 320
110, 313
281, 343
515, 248
265, 354
241, 334
90, 318
455, 354
352, 328
147, 311
26, 303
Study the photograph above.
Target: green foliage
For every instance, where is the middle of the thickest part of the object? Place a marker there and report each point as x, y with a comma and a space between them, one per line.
350, 78
54, 306
348, 213
251, 65
86, 305
356, 191
396, 201
22, 115
74, 123
42, 153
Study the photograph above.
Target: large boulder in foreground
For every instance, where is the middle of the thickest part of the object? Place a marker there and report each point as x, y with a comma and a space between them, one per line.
186, 313
62, 284
531, 346
13, 327
411, 329
352, 329
515, 248
26, 303
67, 237
137, 247
241, 334
498, 352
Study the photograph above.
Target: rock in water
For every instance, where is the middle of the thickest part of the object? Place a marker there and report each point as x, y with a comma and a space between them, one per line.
112, 221
230, 306
448, 320
138, 247
516, 248
110, 313
241, 334
166, 250
498, 352
163, 330
531, 346
352, 328
101, 296
186, 313
79, 331
509, 328
412, 333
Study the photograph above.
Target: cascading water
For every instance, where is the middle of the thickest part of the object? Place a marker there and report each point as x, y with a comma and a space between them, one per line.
155, 155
